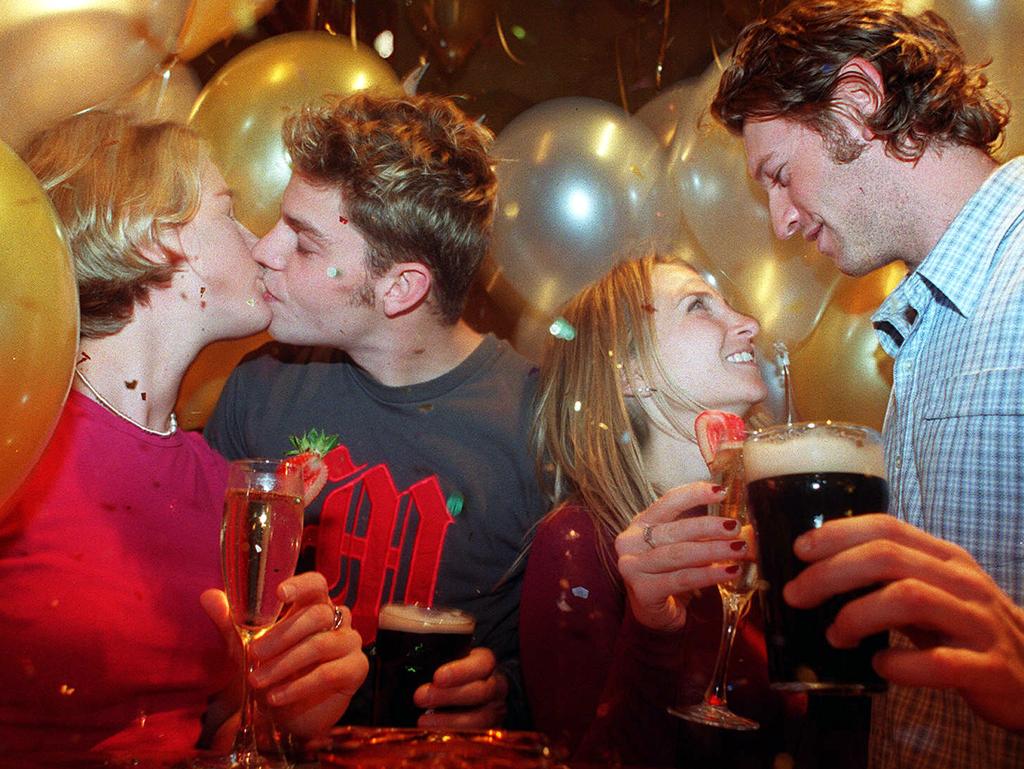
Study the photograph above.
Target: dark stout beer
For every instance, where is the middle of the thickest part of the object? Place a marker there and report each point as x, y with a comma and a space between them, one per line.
799, 477
413, 642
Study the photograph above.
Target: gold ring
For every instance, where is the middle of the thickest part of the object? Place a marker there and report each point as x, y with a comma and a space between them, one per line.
339, 619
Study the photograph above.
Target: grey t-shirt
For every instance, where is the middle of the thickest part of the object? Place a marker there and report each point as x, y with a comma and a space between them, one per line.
432, 491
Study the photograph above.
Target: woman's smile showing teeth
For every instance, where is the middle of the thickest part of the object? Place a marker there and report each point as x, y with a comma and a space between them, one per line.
740, 357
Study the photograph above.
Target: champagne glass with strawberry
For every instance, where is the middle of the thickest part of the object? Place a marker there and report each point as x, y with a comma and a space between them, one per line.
260, 540
720, 436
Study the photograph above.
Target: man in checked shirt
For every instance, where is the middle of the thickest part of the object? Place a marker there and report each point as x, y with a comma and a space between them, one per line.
874, 138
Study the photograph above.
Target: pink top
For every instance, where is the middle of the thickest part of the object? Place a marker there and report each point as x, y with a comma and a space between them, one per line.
101, 567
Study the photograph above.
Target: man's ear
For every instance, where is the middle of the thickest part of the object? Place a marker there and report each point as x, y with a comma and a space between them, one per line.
405, 287
858, 94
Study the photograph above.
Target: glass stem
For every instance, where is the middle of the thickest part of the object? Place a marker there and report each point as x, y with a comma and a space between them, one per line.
245, 751
733, 608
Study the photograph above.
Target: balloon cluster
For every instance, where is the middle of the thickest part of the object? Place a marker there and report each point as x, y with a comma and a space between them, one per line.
572, 201
582, 183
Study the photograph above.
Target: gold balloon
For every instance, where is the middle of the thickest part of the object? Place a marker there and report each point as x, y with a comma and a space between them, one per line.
450, 28
991, 30
241, 110
59, 58
211, 21
165, 95
840, 371
205, 378
39, 318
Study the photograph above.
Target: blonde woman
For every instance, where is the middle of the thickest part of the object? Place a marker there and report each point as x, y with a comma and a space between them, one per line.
611, 631
111, 565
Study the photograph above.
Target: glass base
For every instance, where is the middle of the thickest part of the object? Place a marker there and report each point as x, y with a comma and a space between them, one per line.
825, 687
239, 761
715, 715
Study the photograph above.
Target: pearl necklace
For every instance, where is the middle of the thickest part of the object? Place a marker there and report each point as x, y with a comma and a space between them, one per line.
173, 420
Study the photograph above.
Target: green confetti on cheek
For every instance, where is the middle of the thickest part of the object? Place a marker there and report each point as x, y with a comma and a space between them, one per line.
333, 272
455, 502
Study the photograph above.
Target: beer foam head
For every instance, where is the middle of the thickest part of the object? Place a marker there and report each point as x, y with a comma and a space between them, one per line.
411, 618
813, 447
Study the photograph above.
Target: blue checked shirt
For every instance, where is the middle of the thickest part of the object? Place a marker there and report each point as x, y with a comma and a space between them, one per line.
954, 442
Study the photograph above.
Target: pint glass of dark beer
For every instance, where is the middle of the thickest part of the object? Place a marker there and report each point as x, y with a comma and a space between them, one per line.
799, 476
412, 642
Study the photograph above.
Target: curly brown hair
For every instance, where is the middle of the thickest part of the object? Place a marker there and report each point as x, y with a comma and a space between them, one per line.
790, 64
415, 177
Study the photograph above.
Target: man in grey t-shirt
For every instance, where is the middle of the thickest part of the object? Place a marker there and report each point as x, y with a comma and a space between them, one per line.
432, 490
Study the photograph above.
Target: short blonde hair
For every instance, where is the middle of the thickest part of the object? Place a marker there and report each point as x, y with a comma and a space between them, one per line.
416, 179
589, 434
117, 185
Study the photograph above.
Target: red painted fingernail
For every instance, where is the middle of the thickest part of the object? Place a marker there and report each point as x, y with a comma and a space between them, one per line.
730, 525
739, 544
717, 489
732, 569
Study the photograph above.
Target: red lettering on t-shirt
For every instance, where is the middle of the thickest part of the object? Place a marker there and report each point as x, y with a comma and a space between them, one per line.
376, 544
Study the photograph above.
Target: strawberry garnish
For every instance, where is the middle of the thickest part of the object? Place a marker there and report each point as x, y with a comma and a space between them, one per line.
718, 432
307, 453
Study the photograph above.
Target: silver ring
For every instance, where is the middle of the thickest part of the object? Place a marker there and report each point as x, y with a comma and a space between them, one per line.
648, 535
339, 618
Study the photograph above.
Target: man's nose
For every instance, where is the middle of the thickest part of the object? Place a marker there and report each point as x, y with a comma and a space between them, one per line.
785, 217
269, 250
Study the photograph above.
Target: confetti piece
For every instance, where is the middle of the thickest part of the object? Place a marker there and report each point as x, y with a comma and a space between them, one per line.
455, 502
333, 272
251, 302
66, 690
581, 592
560, 328
132, 384
343, 220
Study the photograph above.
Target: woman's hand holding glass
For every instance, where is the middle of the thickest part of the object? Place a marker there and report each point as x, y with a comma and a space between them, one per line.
307, 666
664, 558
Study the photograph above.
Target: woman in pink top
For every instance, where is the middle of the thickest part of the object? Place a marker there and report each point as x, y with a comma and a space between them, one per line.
109, 566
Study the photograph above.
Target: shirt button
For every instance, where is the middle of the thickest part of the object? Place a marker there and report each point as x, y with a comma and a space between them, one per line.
898, 462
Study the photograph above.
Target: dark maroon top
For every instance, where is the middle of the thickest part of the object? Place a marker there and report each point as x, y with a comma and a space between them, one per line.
598, 681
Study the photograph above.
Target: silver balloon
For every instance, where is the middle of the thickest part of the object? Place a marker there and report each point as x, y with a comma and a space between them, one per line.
580, 184
784, 284
663, 113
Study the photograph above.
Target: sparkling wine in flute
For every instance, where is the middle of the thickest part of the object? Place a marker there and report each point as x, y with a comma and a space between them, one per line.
259, 546
262, 534
727, 469
720, 437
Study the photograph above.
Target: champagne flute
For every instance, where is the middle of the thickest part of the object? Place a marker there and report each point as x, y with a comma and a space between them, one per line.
260, 541
727, 471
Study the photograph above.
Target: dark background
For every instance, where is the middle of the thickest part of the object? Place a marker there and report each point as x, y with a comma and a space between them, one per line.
605, 49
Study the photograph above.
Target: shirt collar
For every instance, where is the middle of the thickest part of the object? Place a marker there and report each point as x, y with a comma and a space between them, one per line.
957, 268
959, 264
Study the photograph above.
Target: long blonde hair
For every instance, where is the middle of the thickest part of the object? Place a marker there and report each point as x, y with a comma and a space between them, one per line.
589, 433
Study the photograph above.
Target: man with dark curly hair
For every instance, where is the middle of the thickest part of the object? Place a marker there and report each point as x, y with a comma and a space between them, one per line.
432, 491
874, 138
